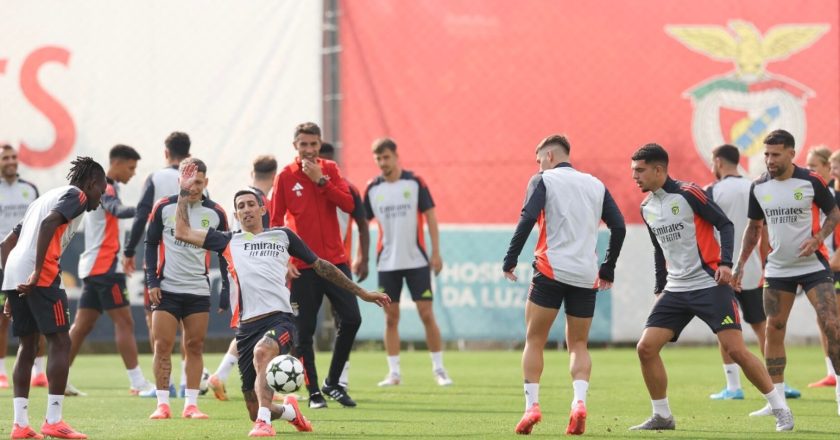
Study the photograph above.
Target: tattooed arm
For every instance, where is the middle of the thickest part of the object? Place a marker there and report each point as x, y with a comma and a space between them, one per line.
183, 230
329, 272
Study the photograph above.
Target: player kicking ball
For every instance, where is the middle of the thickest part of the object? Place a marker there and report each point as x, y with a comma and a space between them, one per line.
258, 260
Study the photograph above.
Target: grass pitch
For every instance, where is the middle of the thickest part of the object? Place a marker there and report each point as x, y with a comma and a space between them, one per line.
485, 402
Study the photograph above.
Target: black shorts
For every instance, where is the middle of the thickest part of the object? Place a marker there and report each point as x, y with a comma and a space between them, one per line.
546, 292
807, 281
181, 305
44, 311
716, 306
104, 292
419, 283
279, 327
752, 305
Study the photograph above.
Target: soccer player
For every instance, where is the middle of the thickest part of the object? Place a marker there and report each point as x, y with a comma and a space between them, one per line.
102, 274
159, 184
568, 205
788, 199
179, 290
34, 291
258, 259
309, 189
262, 177
15, 196
731, 192
358, 264
399, 200
692, 279
819, 161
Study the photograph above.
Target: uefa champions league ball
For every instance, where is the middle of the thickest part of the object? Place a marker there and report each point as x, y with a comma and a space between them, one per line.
284, 374
202, 386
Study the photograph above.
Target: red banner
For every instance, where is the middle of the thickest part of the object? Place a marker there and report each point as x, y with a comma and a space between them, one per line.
468, 88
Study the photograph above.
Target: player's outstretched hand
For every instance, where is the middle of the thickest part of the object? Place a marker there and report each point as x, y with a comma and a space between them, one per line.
723, 275
436, 264
511, 276
26, 289
380, 299
128, 266
292, 273
604, 284
154, 295
809, 246
737, 275
7, 308
187, 178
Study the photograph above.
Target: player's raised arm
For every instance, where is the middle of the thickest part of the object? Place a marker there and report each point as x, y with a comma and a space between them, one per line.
329, 272
183, 230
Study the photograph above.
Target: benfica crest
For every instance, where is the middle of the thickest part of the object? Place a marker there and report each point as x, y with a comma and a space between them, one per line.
742, 106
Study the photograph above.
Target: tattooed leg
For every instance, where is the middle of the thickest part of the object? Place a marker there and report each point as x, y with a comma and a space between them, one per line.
824, 300
777, 305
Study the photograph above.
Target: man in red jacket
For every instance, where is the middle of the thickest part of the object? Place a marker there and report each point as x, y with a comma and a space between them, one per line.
305, 196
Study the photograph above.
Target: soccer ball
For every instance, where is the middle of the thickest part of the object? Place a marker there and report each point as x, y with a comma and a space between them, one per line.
284, 374
202, 386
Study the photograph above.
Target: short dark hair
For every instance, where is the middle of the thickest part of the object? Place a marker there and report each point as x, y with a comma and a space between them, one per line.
327, 149
121, 151
264, 166
382, 144
200, 166
244, 192
178, 143
555, 139
777, 137
727, 152
307, 128
651, 153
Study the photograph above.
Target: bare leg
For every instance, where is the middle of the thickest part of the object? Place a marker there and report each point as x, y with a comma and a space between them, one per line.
82, 326
732, 342
538, 322
427, 315
392, 332
653, 369
577, 337
195, 330
777, 305
165, 326
124, 335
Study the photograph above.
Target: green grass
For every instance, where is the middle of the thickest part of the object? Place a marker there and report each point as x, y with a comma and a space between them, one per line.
485, 402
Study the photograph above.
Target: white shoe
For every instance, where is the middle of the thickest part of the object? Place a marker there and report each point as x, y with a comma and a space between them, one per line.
442, 378
146, 387
70, 390
784, 419
391, 380
765, 411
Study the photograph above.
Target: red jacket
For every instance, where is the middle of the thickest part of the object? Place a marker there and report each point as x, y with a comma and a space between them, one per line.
311, 209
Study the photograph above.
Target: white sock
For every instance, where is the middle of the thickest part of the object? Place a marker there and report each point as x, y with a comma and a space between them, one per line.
532, 395
580, 387
776, 399
780, 388
183, 374
829, 367
135, 376
394, 365
162, 396
264, 414
733, 376
54, 402
21, 411
837, 387
191, 397
2, 365
288, 413
39, 366
661, 407
344, 378
437, 360
226, 366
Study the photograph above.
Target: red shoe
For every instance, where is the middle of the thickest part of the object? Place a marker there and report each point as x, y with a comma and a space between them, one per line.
532, 416
300, 423
60, 430
827, 381
577, 419
161, 412
4, 381
262, 429
218, 387
24, 432
192, 412
40, 380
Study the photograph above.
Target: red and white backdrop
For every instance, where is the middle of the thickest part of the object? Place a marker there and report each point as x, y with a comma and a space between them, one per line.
468, 88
